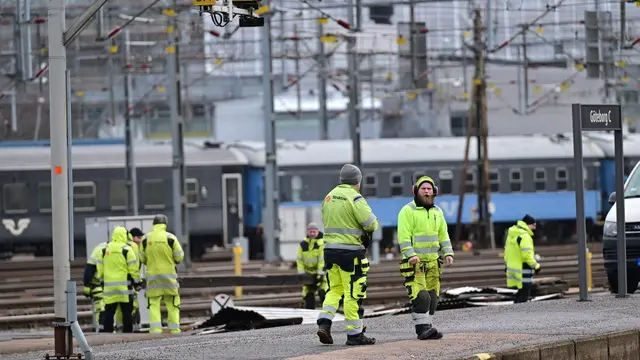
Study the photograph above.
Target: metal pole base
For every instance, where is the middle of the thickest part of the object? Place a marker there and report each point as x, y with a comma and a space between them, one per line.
622, 296
584, 300
64, 330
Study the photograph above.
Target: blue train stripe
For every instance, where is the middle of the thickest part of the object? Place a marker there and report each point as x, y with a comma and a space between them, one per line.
558, 205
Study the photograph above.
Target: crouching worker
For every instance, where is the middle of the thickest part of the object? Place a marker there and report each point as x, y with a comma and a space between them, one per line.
310, 261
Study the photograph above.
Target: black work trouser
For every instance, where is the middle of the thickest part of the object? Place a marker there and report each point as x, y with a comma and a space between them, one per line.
127, 317
523, 294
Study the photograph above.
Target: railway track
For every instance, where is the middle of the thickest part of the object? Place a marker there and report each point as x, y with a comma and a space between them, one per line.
29, 304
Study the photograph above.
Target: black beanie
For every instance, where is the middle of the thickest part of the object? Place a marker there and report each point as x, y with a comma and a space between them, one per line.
136, 232
528, 219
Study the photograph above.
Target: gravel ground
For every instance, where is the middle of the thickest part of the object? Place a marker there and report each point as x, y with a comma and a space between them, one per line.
467, 331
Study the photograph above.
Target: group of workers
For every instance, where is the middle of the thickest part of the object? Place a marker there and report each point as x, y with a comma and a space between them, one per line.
112, 278
337, 257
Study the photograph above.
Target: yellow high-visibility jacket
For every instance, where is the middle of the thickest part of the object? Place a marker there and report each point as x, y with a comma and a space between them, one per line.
423, 233
161, 252
519, 255
346, 216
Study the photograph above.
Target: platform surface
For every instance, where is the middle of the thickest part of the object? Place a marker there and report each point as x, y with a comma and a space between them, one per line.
467, 331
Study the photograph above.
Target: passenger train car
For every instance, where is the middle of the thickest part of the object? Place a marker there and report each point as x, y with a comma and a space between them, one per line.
529, 174
100, 190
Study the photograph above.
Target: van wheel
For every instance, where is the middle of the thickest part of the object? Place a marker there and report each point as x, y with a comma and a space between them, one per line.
632, 283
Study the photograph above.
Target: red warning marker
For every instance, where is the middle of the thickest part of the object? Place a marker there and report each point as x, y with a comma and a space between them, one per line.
58, 170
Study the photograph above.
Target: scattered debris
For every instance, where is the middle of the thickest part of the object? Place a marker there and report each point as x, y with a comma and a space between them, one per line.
227, 317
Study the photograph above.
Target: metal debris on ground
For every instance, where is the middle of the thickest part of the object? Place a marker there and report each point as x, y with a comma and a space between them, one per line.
227, 317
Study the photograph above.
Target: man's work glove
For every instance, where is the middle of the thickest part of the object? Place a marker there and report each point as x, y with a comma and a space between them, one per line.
366, 239
537, 269
86, 291
319, 278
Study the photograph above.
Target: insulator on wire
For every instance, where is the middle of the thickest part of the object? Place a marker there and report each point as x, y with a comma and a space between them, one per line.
344, 24
214, 33
113, 32
503, 45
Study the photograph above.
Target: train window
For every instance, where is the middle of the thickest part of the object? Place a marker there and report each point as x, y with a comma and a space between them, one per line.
397, 183
540, 179
417, 175
193, 192
370, 185
296, 188
155, 191
84, 196
44, 197
470, 182
118, 194
445, 186
15, 198
515, 179
562, 179
494, 180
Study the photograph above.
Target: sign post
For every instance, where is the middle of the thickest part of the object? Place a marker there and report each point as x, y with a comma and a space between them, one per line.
599, 118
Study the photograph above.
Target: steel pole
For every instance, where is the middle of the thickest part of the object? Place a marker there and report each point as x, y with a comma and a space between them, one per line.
59, 170
580, 219
177, 137
354, 97
322, 85
270, 221
130, 169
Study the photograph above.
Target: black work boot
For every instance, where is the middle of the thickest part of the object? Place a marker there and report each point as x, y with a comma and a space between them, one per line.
426, 332
360, 339
309, 301
324, 331
438, 334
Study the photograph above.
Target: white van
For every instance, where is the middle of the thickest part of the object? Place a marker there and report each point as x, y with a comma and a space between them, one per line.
632, 231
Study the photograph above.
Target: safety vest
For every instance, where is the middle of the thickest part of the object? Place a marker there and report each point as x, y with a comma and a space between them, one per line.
119, 266
161, 252
95, 259
519, 255
346, 216
423, 233
136, 249
310, 258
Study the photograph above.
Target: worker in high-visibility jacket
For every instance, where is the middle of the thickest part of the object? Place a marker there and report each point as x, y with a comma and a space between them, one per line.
422, 237
519, 258
161, 252
133, 240
348, 226
119, 270
310, 260
93, 284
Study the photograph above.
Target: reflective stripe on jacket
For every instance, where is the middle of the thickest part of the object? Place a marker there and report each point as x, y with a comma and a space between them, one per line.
310, 259
161, 252
346, 216
423, 233
118, 268
519, 255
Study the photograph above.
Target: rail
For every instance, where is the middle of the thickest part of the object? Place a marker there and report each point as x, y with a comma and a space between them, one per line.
30, 304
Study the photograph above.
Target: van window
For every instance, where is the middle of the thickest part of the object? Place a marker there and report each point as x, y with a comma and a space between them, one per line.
633, 185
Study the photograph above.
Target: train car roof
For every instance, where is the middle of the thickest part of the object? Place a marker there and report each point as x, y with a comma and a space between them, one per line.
630, 143
416, 150
113, 156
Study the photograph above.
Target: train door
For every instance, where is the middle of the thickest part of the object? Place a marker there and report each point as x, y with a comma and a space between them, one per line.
232, 203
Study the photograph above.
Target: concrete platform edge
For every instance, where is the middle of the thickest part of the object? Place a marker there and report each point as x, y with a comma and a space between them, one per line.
618, 345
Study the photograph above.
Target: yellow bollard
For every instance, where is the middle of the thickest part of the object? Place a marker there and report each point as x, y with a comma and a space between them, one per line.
237, 267
589, 274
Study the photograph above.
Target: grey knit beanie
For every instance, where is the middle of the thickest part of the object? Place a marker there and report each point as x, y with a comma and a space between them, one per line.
350, 174
313, 225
